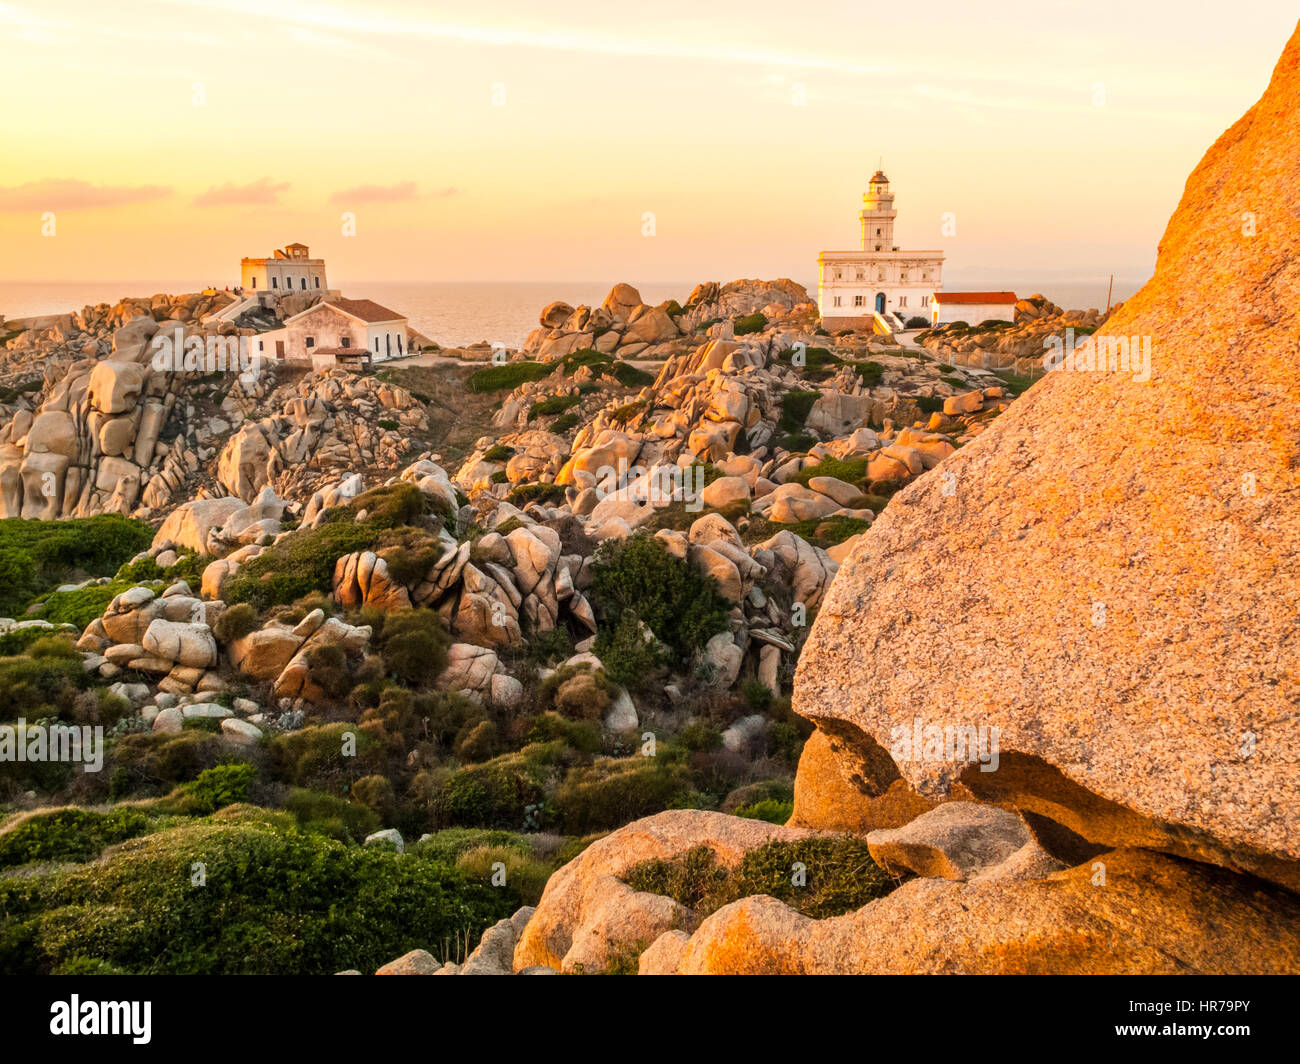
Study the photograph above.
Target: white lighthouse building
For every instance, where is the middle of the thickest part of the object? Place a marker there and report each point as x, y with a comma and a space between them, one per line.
879, 279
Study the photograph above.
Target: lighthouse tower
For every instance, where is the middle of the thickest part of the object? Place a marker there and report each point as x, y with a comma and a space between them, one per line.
878, 215
880, 286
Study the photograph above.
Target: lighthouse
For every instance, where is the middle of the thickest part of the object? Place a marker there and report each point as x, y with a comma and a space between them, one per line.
878, 287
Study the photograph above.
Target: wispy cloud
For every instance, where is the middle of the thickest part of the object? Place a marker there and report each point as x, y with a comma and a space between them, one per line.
398, 193
260, 193
72, 194
551, 38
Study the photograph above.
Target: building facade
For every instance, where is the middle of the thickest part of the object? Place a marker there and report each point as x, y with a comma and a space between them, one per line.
972, 307
345, 331
878, 278
291, 269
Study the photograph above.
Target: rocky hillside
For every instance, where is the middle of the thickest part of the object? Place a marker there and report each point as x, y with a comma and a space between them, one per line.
689, 638
1106, 576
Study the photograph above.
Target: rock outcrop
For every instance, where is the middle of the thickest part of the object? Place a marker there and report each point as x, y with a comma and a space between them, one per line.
1110, 575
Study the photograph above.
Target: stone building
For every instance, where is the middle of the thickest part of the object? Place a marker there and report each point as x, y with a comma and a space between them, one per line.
339, 331
291, 269
972, 307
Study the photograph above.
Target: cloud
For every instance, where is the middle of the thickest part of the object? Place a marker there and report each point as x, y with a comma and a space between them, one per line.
71, 194
262, 192
405, 190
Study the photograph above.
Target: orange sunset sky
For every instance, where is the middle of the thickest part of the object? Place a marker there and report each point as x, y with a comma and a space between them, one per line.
527, 141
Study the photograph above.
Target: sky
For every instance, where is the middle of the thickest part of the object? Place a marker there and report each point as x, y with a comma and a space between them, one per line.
573, 140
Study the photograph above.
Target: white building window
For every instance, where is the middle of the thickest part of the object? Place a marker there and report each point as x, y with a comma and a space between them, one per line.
902, 277
837, 301
902, 301
880, 276
861, 275
859, 301
837, 273
925, 301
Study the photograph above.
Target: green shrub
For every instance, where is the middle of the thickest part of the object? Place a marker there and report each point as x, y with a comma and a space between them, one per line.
524, 872
491, 795
628, 658
414, 646
153, 760
828, 531
563, 423
599, 361
479, 743
68, 835
839, 876
82, 606
271, 899
545, 494
851, 471
235, 623
303, 561
376, 794
18, 640
507, 377
498, 453
624, 414
751, 323
556, 404
37, 555
40, 682
700, 736
448, 845
315, 756
638, 575
577, 692
795, 407
612, 793
773, 810
327, 814
581, 735
631, 376
214, 788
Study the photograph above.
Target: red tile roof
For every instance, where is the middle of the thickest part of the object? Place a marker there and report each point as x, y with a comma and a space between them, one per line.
365, 309
975, 297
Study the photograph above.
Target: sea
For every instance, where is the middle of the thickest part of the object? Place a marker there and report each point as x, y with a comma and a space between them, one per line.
457, 313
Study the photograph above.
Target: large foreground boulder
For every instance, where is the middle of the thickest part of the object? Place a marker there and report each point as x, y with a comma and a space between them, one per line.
1110, 574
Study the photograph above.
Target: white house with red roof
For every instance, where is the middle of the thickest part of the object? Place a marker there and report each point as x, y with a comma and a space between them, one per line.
972, 307
338, 331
